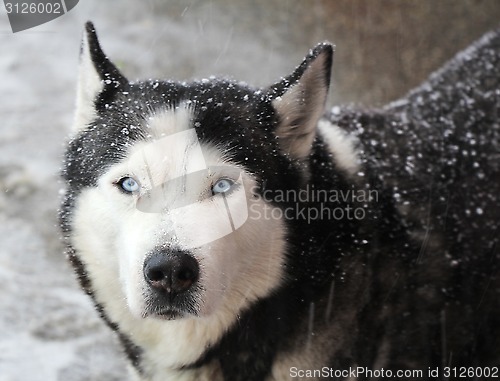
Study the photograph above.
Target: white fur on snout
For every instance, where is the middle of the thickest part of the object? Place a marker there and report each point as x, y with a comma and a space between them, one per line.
134, 245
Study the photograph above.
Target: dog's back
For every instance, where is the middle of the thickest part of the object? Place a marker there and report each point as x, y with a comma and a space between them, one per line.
436, 156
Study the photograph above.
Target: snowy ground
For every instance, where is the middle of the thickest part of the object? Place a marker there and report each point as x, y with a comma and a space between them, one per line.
48, 328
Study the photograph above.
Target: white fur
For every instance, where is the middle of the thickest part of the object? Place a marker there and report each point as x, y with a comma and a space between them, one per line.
113, 237
341, 145
169, 122
88, 87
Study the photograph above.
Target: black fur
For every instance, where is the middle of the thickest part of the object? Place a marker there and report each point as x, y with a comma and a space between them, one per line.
437, 152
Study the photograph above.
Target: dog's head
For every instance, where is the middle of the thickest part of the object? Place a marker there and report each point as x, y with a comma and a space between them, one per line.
164, 206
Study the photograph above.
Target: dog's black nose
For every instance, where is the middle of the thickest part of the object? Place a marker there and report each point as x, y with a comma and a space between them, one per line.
172, 271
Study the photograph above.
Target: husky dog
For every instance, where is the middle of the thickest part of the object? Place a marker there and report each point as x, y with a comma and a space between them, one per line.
232, 233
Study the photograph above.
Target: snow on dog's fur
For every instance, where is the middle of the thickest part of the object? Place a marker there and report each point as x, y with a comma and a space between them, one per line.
230, 233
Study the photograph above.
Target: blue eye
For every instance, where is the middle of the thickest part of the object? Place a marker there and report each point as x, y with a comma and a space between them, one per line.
222, 186
129, 185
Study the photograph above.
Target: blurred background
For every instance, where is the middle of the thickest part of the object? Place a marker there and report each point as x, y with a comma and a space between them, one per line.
48, 328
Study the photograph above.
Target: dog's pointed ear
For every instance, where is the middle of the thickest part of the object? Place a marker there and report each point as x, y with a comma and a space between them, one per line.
96, 76
299, 101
